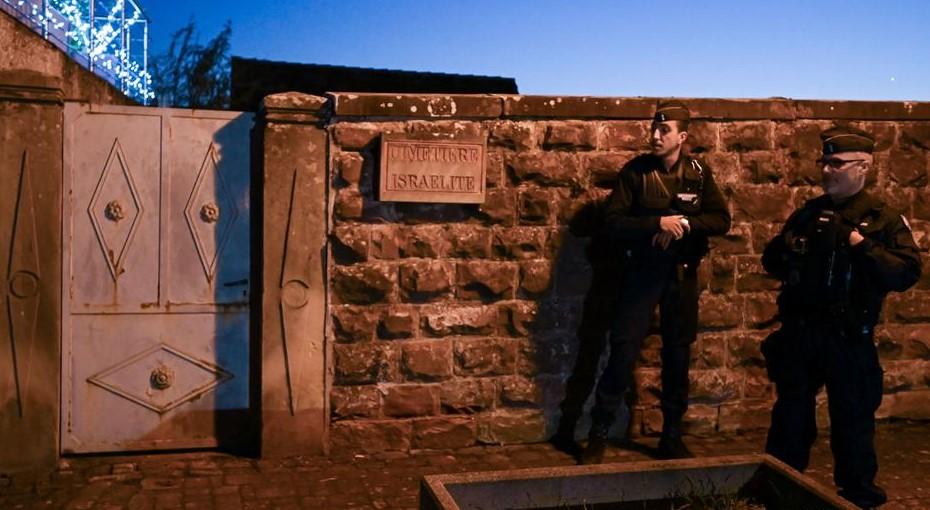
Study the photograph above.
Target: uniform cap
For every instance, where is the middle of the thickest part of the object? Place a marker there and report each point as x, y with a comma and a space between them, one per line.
846, 139
671, 110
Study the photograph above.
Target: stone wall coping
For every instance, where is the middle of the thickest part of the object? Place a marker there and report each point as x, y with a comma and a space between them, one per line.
490, 106
294, 107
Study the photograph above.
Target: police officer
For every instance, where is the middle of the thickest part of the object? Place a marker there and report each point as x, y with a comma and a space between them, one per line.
658, 218
837, 257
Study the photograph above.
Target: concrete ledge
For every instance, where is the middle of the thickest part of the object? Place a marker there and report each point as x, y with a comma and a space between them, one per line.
428, 106
347, 105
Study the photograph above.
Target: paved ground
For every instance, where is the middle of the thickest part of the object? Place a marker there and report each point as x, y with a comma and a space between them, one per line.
387, 481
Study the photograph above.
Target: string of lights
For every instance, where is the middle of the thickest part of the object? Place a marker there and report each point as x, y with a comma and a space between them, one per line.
109, 37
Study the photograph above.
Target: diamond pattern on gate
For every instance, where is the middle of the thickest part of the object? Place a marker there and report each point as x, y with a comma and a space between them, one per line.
115, 209
210, 213
161, 378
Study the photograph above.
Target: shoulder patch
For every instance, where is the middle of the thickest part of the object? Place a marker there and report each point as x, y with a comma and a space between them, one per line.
906, 224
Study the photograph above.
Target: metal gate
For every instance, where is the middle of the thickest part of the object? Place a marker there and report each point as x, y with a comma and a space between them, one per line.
155, 278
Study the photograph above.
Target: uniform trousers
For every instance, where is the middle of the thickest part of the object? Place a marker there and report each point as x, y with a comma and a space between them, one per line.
653, 281
802, 358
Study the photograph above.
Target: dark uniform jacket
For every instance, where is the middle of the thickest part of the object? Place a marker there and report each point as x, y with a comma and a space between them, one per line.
827, 278
645, 191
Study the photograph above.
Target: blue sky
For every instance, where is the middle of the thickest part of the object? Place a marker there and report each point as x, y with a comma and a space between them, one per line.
827, 49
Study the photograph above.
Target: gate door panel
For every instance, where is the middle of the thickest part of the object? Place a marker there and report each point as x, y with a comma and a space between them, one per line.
156, 278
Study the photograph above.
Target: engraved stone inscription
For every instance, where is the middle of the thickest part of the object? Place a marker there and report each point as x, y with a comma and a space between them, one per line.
438, 171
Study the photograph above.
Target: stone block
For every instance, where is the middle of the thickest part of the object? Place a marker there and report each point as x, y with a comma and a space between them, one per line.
354, 323
519, 136
519, 391
914, 307
752, 277
398, 322
544, 168
718, 311
906, 375
602, 168
756, 383
444, 320
429, 360
762, 235
361, 135
494, 170
349, 167
703, 137
904, 341
370, 436
478, 357
535, 276
628, 135
499, 207
571, 135
426, 280
485, 280
907, 167
518, 318
355, 402
425, 241
724, 166
744, 415
734, 242
760, 310
746, 136
350, 243
385, 242
410, 400
350, 204
444, 433
762, 167
720, 274
512, 426
743, 349
915, 135
912, 405
367, 363
713, 386
709, 351
469, 242
761, 203
519, 243
468, 395
363, 283
535, 206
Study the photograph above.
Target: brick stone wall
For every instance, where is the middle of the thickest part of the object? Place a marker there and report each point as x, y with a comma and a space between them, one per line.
453, 325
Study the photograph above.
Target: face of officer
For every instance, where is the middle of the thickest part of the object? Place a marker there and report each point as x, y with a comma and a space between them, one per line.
666, 138
844, 173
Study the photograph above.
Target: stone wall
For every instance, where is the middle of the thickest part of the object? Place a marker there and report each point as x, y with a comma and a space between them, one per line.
27, 55
453, 325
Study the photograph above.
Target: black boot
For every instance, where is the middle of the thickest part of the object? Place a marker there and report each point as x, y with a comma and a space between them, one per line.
564, 438
869, 496
597, 445
671, 446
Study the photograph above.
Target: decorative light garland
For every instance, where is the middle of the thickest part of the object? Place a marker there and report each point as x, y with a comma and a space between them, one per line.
102, 41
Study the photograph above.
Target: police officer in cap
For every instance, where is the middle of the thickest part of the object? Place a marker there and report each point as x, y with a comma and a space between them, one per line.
837, 257
658, 217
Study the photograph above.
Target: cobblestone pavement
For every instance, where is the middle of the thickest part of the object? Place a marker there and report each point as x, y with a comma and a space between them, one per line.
209, 480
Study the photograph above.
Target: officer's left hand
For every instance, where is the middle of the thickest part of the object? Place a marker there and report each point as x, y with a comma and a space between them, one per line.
855, 237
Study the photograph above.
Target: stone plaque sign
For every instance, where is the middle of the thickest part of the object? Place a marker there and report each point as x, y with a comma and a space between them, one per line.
438, 171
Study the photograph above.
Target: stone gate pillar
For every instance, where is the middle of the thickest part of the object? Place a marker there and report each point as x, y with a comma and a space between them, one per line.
292, 263
30, 264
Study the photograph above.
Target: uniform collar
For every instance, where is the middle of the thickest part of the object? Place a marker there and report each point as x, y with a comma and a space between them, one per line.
852, 208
